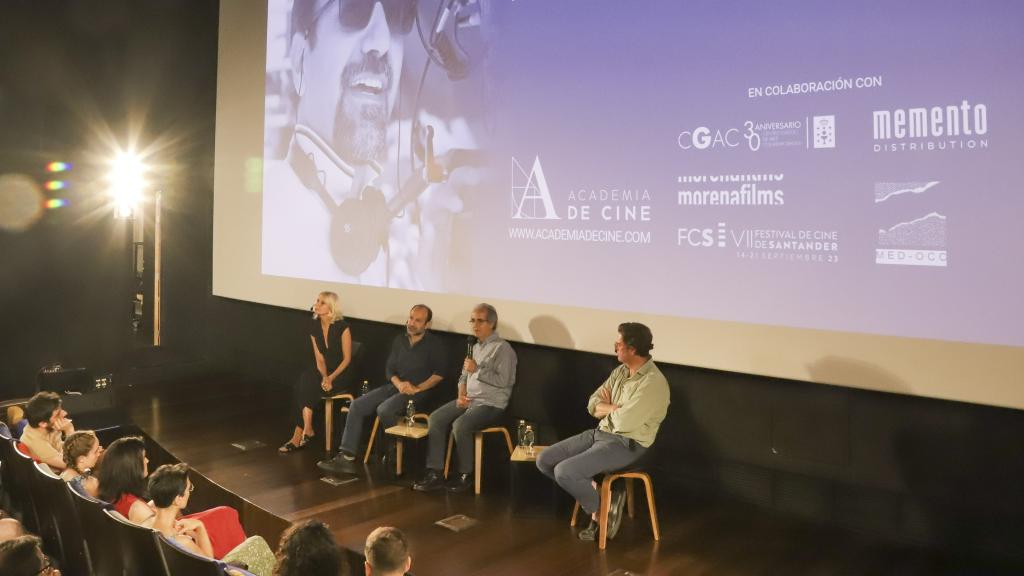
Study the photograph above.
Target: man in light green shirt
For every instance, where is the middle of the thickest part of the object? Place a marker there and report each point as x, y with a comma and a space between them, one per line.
631, 404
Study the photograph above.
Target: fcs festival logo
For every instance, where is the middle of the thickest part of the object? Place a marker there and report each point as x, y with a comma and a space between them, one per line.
531, 197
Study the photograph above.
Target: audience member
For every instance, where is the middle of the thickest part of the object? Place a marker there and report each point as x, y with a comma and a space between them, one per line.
16, 420
387, 552
170, 488
122, 479
23, 556
10, 529
81, 452
48, 425
309, 549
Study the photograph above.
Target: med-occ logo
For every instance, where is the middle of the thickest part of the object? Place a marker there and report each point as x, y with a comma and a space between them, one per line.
531, 197
918, 241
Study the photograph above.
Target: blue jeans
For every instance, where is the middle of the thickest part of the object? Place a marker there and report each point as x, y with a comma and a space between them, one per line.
464, 422
384, 401
573, 462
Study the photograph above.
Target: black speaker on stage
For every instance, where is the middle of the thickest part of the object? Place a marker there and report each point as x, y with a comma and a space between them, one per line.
89, 399
62, 380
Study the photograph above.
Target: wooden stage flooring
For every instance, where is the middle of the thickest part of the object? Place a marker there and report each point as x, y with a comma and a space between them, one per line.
197, 421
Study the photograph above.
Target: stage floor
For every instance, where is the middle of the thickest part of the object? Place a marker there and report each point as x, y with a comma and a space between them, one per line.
198, 421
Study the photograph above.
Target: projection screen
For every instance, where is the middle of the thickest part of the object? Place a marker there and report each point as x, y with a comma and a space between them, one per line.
815, 192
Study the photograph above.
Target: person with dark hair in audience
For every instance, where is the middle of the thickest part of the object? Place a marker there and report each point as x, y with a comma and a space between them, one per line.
170, 488
414, 368
82, 451
122, 477
631, 405
387, 552
485, 387
23, 556
331, 338
48, 425
308, 549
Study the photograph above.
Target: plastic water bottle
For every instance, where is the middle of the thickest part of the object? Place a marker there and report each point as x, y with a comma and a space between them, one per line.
520, 431
528, 439
410, 410
364, 388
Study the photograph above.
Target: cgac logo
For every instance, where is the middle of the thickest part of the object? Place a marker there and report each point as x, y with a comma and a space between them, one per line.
702, 237
704, 138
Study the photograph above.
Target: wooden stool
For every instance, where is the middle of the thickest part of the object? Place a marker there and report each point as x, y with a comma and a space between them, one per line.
376, 424
478, 445
329, 416
401, 431
606, 499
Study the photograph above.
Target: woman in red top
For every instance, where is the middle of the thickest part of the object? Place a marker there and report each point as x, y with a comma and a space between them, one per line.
122, 481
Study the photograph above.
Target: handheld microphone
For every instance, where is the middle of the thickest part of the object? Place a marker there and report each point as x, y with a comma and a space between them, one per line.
469, 346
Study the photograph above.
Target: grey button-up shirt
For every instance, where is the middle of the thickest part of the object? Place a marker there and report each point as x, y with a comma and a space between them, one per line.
491, 384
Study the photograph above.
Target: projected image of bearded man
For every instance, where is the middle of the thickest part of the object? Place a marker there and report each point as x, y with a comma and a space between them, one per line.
344, 59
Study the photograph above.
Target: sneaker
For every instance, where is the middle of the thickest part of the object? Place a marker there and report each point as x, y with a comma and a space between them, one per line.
431, 481
341, 464
590, 532
461, 483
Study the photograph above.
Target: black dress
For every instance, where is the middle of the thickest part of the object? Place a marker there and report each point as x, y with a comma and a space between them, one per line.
308, 393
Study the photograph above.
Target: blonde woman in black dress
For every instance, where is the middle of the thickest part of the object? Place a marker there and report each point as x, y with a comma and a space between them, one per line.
331, 338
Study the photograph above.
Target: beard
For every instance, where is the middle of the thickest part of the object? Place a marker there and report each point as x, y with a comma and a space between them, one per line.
360, 126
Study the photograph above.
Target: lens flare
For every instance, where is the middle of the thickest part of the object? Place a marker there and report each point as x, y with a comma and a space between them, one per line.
54, 167
54, 185
21, 202
53, 203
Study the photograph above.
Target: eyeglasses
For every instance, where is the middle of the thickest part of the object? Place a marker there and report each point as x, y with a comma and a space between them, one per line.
354, 15
48, 567
477, 320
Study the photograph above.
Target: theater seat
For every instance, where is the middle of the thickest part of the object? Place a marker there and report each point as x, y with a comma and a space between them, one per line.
72, 539
181, 562
23, 472
139, 549
101, 540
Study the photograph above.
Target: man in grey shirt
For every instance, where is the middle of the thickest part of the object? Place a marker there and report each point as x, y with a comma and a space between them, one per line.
488, 375
631, 405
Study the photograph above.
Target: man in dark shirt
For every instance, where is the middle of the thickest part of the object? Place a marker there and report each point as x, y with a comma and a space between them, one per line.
413, 368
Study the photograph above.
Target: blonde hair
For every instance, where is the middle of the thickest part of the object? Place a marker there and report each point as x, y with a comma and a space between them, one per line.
77, 445
14, 414
331, 299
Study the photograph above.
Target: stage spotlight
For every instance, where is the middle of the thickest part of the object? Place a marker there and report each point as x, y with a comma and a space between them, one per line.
127, 181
